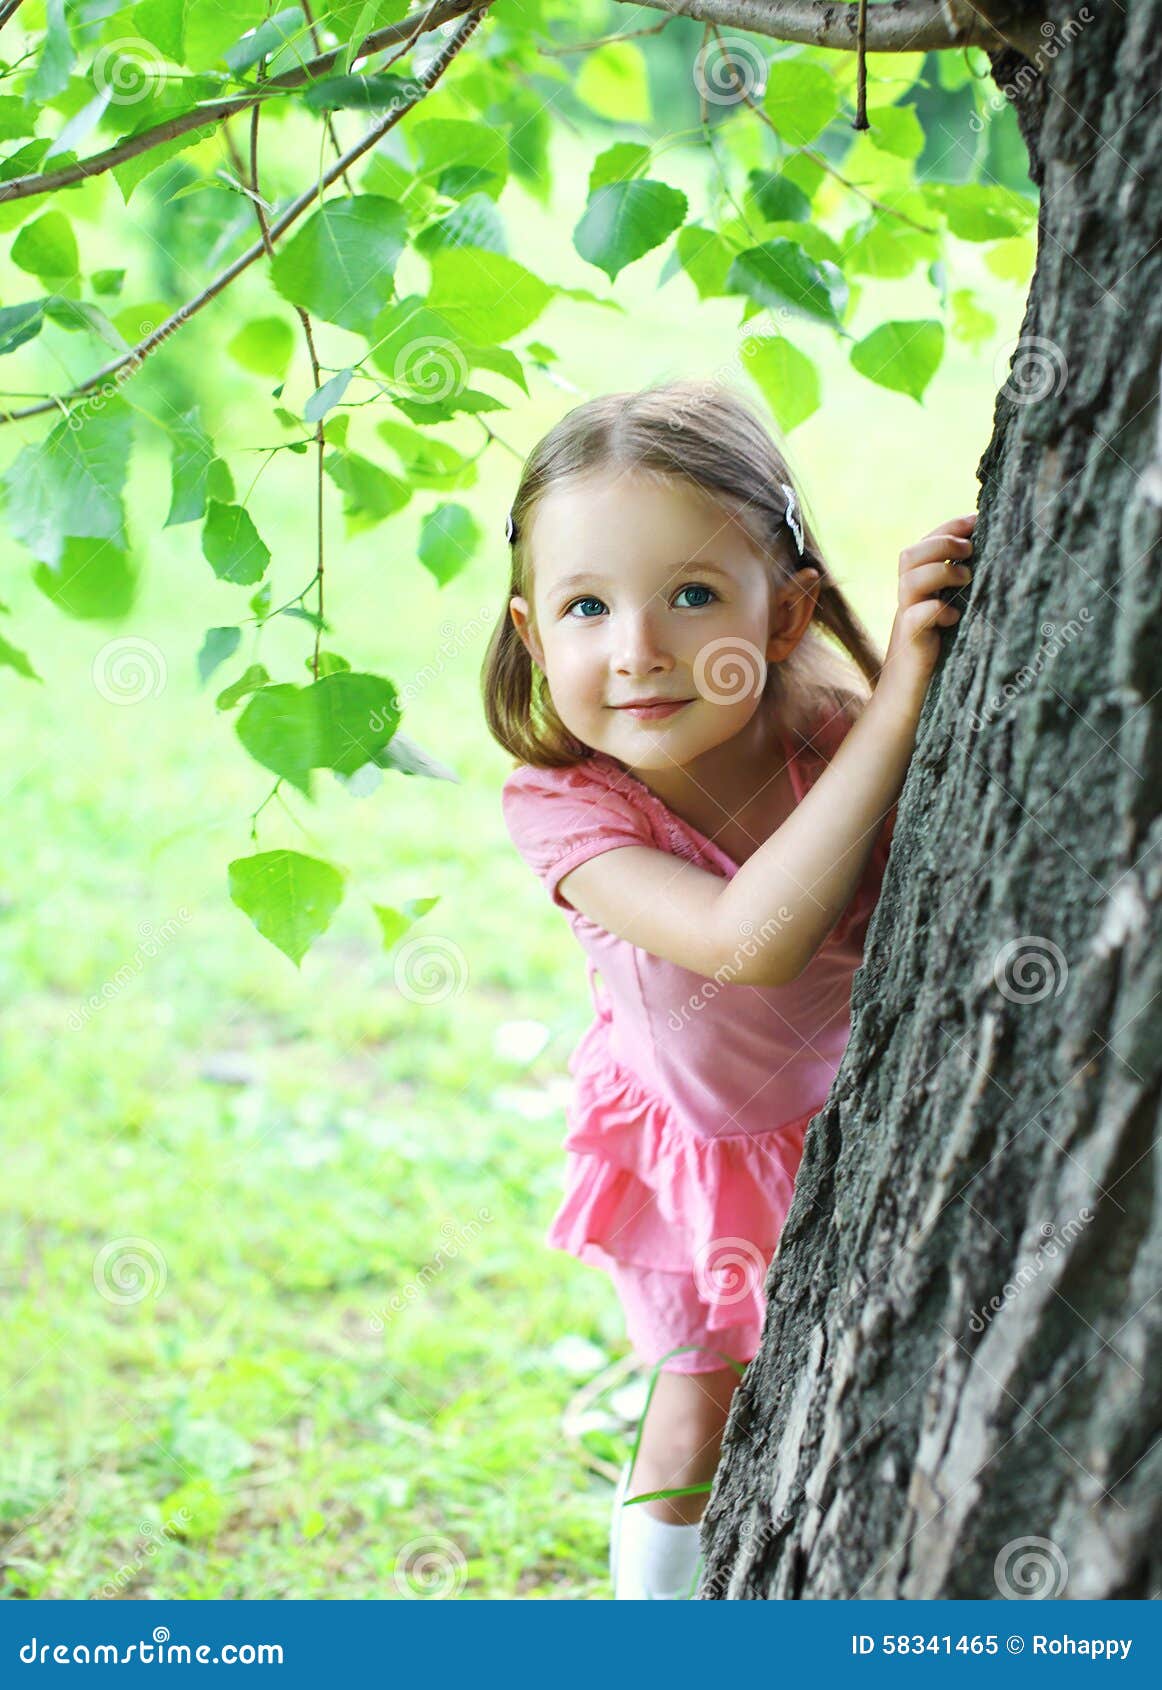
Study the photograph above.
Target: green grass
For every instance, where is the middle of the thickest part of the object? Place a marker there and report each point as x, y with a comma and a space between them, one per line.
297, 1148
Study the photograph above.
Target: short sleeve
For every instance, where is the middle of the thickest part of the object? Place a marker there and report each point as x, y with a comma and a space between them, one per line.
559, 818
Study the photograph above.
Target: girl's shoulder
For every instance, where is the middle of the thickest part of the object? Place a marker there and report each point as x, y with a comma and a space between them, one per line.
558, 818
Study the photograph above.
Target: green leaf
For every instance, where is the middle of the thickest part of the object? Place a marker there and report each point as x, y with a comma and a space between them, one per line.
339, 722
322, 399
56, 57
484, 296
896, 129
232, 545
978, 211
474, 222
69, 484
47, 248
213, 26
419, 347
395, 923
330, 663
134, 170
16, 119
79, 314
463, 158
970, 322
357, 715
372, 493
618, 163
193, 453
614, 83
706, 259
800, 99
19, 323
779, 273
887, 248
217, 646
283, 27
94, 581
160, 21
353, 20
778, 198
624, 220
279, 728
787, 378
425, 460
448, 537
1012, 260
360, 93
902, 355
529, 135
12, 657
250, 681
107, 281
427, 412
341, 264
290, 898
501, 359
264, 346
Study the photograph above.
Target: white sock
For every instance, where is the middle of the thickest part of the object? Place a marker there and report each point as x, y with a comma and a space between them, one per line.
650, 1559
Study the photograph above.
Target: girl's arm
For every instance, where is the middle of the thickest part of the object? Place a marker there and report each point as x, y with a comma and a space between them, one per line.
763, 927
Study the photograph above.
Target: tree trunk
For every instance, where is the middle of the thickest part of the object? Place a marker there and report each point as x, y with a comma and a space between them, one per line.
957, 1393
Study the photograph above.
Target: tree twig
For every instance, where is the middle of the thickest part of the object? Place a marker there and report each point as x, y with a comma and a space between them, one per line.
209, 116
133, 359
898, 26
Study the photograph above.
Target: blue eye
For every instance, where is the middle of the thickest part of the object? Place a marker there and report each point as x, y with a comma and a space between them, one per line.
699, 589
693, 588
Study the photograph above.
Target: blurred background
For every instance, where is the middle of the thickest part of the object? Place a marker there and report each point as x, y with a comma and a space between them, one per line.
275, 1298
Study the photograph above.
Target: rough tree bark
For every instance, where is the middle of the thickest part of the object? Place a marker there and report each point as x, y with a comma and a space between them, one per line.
957, 1393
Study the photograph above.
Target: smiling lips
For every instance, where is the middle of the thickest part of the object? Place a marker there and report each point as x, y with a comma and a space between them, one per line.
650, 711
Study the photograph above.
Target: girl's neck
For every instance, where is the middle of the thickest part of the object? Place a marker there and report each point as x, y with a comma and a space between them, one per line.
722, 781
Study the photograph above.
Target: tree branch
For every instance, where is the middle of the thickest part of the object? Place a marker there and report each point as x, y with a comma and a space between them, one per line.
901, 26
209, 116
133, 359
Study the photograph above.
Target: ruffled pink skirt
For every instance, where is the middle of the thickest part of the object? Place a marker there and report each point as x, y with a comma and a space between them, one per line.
641, 1189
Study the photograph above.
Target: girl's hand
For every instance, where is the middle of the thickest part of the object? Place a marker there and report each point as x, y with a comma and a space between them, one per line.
934, 562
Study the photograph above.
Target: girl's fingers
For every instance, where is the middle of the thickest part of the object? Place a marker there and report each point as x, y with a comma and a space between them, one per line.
926, 579
933, 547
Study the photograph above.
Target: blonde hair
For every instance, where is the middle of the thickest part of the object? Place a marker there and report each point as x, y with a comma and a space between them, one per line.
710, 437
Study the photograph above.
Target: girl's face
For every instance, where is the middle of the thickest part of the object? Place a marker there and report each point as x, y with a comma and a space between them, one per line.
644, 589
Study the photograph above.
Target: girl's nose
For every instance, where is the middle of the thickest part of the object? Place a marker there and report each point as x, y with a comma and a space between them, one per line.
640, 649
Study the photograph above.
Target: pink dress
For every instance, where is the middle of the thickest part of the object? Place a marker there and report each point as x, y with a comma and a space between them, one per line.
690, 1098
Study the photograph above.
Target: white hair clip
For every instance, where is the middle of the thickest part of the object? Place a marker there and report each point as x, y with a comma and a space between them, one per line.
793, 521
509, 528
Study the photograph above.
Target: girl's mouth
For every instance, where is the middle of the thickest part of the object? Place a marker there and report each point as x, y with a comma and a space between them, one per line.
653, 712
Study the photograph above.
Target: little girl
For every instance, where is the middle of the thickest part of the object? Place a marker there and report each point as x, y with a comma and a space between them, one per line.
707, 789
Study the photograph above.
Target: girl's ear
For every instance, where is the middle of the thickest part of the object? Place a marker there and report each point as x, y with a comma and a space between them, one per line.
523, 623
792, 609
